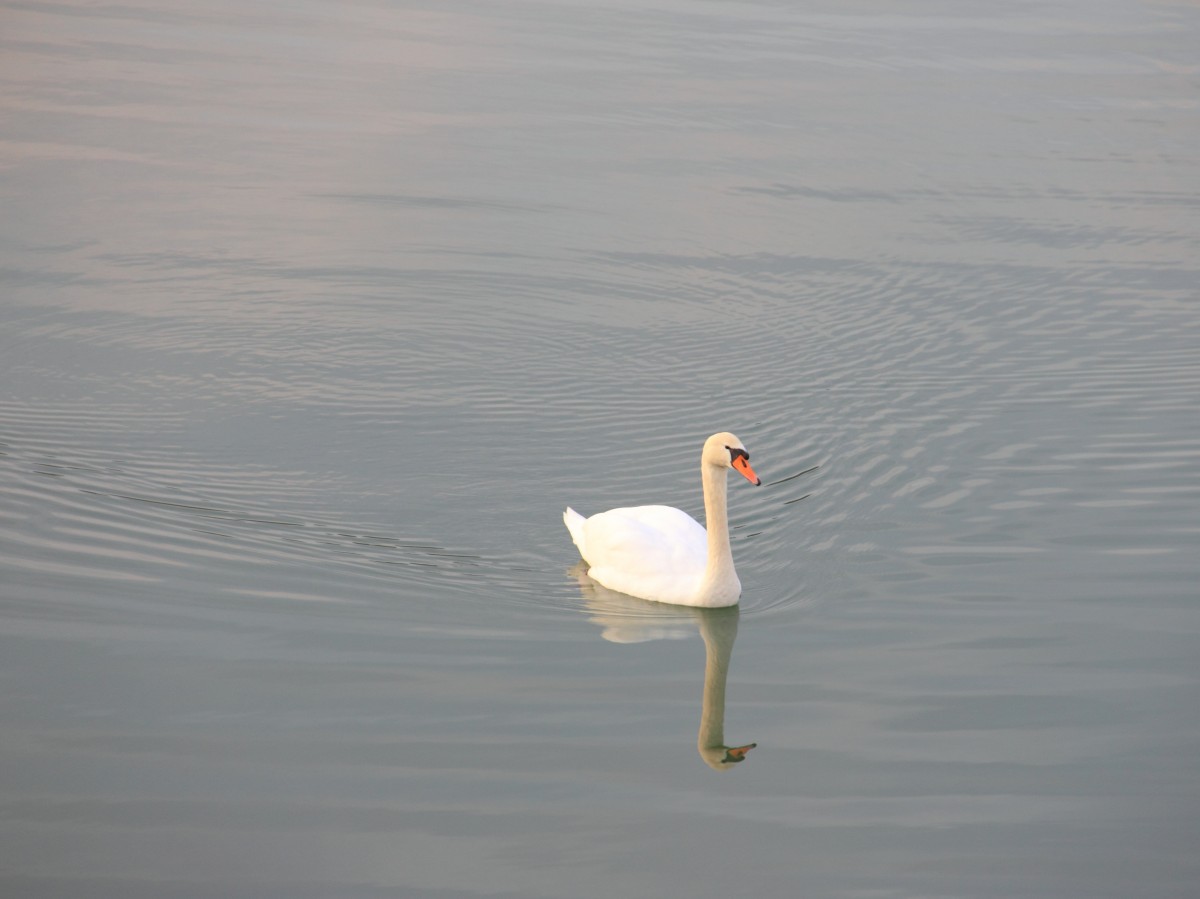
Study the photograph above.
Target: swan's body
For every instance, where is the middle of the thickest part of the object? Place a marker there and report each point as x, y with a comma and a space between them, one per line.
662, 553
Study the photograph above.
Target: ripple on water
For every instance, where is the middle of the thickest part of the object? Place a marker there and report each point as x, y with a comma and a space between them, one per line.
157, 519
921, 391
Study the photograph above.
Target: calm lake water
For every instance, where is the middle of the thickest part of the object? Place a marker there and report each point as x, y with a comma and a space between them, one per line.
315, 315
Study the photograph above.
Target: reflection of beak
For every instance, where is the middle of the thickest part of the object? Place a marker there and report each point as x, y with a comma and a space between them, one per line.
742, 465
738, 753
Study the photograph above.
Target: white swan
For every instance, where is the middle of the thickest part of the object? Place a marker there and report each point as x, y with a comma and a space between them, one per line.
662, 553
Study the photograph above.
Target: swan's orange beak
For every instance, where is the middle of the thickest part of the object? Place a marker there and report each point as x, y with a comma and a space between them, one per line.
742, 465
736, 754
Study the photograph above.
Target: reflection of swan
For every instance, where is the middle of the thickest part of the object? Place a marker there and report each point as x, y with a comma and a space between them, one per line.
719, 628
662, 553
629, 620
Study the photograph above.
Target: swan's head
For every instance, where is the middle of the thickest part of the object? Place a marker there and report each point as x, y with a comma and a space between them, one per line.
724, 450
722, 758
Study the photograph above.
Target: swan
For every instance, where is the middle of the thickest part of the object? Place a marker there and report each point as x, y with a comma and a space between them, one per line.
662, 553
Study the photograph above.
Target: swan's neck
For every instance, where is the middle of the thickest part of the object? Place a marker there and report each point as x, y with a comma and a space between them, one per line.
720, 586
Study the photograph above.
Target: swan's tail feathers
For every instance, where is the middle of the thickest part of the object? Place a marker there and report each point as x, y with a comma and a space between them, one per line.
574, 522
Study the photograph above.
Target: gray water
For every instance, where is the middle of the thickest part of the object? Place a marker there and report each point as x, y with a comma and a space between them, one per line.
314, 316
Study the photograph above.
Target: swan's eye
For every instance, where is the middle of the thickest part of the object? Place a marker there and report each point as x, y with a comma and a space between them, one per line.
734, 452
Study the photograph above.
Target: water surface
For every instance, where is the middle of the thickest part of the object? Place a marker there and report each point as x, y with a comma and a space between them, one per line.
315, 316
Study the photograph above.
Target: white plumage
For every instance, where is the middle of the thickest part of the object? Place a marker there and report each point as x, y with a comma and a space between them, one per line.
661, 553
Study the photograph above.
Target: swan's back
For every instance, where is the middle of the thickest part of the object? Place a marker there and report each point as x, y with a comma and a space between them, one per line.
656, 552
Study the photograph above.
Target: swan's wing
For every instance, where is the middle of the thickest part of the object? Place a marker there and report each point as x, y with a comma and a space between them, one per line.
656, 552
